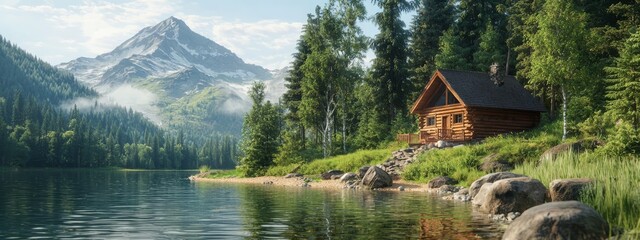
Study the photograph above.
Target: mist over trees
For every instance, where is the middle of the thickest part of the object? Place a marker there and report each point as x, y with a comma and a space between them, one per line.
577, 56
36, 132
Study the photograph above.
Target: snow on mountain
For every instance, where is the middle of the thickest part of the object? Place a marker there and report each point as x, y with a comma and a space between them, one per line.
183, 70
162, 50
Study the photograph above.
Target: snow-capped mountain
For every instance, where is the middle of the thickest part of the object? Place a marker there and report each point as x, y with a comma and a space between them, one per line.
194, 81
162, 50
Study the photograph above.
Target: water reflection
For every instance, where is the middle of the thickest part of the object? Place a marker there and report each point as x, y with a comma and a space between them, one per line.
114, 204
297, 213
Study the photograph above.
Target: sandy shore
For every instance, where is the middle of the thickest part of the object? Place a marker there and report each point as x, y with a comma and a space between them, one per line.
298, 182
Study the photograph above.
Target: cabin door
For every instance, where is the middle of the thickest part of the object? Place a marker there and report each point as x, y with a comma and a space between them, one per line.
445, 131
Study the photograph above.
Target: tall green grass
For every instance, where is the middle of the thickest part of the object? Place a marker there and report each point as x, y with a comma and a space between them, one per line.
348, 162
616, 192
462, 163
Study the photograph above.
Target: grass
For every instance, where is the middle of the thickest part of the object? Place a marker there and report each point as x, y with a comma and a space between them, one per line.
616, 192
462, 163
348, 162
223, 174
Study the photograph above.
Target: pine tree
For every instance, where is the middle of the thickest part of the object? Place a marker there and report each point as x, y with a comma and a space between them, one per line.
433, 18
489, 51
260, 133
624, 83
451, 54
389, 71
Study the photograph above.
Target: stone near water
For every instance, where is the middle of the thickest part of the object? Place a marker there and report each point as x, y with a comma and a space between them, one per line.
362, 171
568, 189
510, 195
558, 220
348, 177
293, 175
327, 175
441, 181
376, 178
489, 178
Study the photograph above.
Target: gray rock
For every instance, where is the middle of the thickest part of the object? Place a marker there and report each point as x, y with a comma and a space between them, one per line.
448, 189
558, 220
401, 188
462, 195
431, 146
442, 144
335, 177
577, 147
441, 181
348, 177
292, 175
568, 189
376, 178
327, 175
362, 171
489, 178
510, 195
495, 163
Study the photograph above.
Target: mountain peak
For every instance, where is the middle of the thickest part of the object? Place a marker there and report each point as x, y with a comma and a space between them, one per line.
171, 23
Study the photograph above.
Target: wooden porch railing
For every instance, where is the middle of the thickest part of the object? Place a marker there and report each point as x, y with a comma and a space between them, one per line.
409, 138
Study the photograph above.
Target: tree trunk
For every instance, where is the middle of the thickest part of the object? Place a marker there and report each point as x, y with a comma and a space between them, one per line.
564, 113
552, 104
506, 68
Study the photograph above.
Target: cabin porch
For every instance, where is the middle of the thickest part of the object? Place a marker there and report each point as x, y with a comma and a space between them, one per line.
426, 137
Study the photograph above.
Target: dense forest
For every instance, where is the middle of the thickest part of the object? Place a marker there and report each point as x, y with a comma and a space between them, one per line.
581, 57
36, 132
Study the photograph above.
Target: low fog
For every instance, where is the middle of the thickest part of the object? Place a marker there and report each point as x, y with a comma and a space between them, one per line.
126, 95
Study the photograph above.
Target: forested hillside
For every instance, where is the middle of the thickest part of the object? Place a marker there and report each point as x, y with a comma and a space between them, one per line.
36, 132
579, 57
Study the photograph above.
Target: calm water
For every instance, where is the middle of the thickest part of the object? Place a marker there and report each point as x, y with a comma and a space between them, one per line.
165, 205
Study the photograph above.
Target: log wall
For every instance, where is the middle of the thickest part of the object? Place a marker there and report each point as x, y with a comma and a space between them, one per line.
477, 123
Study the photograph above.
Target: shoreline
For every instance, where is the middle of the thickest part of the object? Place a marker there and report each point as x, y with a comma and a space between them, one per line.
321, 184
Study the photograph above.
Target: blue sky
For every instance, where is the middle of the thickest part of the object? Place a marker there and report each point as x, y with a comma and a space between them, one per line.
262, 32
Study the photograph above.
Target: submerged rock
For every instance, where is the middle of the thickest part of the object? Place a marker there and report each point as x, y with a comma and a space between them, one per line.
510, 195
489, 178
376, 178
558, 220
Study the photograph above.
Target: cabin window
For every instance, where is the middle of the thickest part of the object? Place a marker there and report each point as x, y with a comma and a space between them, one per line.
442, 97
457, 118
431, 121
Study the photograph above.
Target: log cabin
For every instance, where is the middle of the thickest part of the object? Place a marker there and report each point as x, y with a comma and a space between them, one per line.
461, 106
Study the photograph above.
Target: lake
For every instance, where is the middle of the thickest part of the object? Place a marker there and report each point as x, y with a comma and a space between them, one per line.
165, 205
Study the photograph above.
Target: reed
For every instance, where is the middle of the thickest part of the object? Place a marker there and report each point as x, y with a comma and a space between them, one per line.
616, 191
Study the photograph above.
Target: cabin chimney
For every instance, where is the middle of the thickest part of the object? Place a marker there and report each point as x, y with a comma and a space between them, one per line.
496, 75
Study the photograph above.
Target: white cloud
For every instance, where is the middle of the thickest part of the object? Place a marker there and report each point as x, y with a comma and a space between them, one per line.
93, 27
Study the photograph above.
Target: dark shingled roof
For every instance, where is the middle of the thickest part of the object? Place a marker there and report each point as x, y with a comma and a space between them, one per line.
477, 90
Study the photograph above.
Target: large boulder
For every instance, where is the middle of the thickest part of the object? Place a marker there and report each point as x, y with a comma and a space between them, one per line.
489, 178
495, 163
441, 181
558, 220
576, 147
331, 173
376, 178
510, 195
363, 170
348, 177
568, 189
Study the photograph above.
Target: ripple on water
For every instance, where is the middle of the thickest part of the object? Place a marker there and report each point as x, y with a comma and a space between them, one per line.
152, 205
